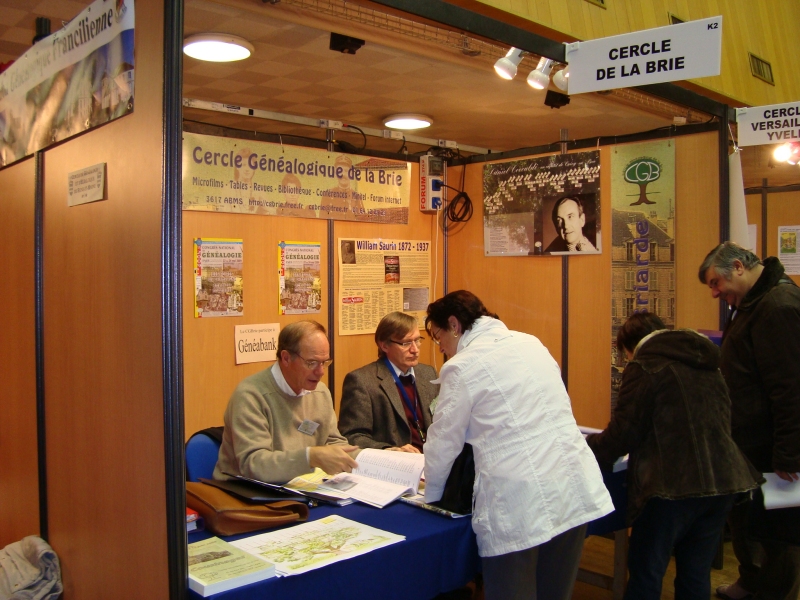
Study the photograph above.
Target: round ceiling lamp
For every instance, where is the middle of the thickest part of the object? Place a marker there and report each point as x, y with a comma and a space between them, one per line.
506, 67
539, 78
217, 47
407, 121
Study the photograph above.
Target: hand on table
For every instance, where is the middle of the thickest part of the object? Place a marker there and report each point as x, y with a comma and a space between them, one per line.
406, 448
787, 476
332, 459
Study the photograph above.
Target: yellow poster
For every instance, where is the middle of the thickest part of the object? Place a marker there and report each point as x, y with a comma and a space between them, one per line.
259, 178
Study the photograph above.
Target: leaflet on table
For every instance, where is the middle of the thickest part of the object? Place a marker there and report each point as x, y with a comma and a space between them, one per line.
779, 493
378, 276
621, 463
312, 545
216, 566
381, 478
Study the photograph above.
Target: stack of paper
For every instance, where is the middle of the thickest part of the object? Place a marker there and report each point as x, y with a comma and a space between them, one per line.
316, 544
779, 493
216, 566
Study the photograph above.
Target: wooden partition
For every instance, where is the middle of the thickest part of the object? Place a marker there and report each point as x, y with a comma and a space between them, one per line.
526, 291
19, 483
783, 208
210, 370
103, 352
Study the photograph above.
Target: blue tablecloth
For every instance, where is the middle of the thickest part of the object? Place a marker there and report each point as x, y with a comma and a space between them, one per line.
438, 555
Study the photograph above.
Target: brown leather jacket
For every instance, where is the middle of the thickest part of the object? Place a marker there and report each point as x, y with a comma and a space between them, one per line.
673, 418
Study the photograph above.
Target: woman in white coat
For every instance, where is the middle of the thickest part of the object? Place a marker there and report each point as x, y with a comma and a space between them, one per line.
537, 484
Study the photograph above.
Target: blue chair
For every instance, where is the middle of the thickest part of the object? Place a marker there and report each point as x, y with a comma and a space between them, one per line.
202, 451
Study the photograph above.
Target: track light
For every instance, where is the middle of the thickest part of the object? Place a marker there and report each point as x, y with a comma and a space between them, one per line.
788, 153
561, 79
217, 47
539, 78
506, 67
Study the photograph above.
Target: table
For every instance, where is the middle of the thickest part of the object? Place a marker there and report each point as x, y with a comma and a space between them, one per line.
438, 555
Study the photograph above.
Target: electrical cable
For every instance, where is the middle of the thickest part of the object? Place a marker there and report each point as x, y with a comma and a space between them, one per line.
363, 135
459, 208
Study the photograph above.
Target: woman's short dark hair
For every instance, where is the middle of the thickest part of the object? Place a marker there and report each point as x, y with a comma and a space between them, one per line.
465, 306
636, 328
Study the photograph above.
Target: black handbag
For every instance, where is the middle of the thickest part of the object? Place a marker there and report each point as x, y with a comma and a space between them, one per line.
457, 496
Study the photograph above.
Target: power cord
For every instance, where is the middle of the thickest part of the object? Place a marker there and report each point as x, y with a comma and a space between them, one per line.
459, 208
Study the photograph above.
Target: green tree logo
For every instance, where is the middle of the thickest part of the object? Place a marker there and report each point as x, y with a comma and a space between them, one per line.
642, 171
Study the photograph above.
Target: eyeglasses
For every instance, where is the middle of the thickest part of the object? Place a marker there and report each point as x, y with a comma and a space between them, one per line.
313, 364
406, 345
435, 336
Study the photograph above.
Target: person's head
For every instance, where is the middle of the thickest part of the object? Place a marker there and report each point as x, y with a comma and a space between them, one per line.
569, 219
397, 337
451, 315
730, 271
303, 354
636, 328
347, 246
245, 172
345, 164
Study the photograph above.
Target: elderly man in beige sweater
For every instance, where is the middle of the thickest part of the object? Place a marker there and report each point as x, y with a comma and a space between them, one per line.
280, 422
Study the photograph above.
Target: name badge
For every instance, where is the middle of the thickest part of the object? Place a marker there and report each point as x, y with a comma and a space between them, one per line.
308, 427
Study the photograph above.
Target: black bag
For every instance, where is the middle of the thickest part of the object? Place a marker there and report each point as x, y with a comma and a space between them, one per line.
457, 496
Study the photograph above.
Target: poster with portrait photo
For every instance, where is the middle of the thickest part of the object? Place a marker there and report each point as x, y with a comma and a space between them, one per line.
569, 224
522, 200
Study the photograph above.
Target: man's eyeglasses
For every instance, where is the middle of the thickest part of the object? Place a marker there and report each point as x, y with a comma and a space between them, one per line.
313, 364
406, 345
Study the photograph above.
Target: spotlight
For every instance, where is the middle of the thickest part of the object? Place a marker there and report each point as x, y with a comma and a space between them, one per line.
344, 43
783, 153
506, 67
561, 79
539, 78
217, 47
407, 121
555, 99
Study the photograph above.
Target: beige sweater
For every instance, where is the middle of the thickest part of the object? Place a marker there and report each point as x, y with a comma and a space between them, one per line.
261, 439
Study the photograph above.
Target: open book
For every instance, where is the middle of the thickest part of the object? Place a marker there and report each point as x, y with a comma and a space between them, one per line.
382, 477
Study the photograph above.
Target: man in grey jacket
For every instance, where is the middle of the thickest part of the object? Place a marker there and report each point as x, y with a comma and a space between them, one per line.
386, 404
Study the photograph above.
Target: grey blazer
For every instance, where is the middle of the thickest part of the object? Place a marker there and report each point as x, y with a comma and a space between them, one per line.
372, 415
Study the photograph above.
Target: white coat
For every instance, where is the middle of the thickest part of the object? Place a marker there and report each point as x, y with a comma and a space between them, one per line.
535, 477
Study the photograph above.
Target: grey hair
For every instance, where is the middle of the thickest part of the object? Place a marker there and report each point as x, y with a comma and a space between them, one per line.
293, 334
722, 258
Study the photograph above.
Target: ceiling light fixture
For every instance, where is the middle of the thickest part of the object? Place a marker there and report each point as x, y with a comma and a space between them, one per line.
561, 79
539, 78
788, 153
506, 67
407, 121
217, 47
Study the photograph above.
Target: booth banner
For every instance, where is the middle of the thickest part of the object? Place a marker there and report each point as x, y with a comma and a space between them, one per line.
299, 275
248, 177
672, 53
642, 239
546, 205
75, 79
218, 286
256, 343
379, 276
773, 124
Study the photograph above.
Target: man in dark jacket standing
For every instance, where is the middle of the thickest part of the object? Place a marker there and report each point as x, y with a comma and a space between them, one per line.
760, 350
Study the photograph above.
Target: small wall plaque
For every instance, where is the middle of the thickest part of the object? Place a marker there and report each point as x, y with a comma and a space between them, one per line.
86, 185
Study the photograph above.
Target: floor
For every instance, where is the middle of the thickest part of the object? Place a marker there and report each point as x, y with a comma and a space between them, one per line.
598, 555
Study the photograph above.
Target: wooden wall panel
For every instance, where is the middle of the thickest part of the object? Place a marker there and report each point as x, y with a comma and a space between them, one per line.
103, 349
782, 209
525, 291
210, 372
590, 320
767, 29
753, 204
19, 481
696, 227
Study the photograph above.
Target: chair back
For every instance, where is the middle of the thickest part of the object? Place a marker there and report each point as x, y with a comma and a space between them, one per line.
202, 451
